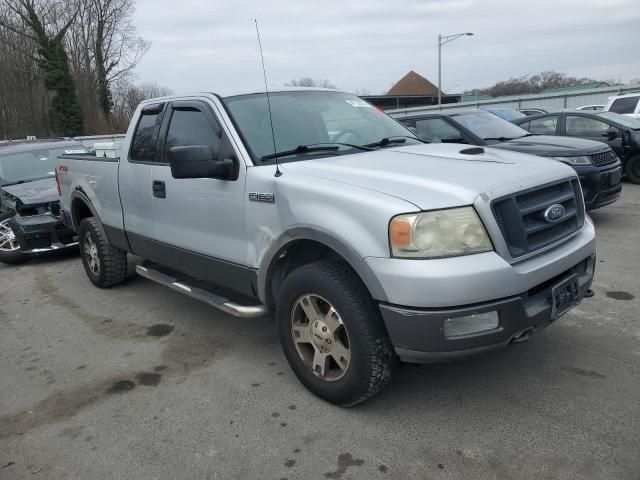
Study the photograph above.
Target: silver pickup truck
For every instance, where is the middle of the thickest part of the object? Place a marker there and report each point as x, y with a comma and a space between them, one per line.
367, 243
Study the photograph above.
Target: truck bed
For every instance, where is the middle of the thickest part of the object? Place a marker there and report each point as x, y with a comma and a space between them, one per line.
94, 177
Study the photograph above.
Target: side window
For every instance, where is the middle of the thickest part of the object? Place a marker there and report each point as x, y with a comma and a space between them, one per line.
543, 126
143, 148
525, 126
624, 105
435, 129
192, 127
579, 126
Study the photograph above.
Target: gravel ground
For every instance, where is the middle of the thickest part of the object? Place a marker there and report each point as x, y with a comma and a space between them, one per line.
139, 382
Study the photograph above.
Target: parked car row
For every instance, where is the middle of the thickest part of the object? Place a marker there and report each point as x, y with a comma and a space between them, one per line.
597, 165
620, 132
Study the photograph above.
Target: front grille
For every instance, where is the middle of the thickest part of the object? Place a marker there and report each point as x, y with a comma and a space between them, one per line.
520, 216
604, 158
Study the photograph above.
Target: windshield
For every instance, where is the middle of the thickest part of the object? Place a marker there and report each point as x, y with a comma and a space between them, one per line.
505, 113
311, 118
489, 127
621, 119
32, 164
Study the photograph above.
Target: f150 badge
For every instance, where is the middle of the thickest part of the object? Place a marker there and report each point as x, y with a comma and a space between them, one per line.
262, 197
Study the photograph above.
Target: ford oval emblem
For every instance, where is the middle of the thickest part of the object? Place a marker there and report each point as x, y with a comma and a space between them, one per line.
554, 213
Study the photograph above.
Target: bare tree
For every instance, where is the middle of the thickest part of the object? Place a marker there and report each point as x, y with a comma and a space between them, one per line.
127, 96
362, 92
310, 82
45, 23
54, 50
105, 47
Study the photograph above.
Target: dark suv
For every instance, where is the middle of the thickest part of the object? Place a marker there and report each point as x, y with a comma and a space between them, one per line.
597, 165
620, 132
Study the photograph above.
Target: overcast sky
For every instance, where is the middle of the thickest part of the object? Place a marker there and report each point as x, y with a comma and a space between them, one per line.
369, 44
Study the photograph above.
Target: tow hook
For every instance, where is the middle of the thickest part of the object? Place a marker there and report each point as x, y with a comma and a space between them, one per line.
523, 336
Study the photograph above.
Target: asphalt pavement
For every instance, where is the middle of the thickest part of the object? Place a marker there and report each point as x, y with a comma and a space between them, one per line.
138, 382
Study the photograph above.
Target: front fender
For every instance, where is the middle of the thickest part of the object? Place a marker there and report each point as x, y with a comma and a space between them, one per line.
339, 246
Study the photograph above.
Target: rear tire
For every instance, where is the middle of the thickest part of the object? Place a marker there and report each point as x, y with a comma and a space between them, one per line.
105, 264
632, 169
326, 302
10, 252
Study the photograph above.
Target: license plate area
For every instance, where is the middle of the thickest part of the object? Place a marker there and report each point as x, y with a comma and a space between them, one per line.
564, 295
614, 177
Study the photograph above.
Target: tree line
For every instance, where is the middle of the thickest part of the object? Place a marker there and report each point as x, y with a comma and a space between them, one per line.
66, 67
529, 84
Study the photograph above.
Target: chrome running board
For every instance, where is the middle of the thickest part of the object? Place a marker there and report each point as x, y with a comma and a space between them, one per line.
212, 299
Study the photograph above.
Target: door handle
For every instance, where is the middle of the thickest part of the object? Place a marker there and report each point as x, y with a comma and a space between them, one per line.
159, 189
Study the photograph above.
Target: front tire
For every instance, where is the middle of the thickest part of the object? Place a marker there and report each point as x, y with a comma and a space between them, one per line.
104, 264
632, 169
332, 333
10, 251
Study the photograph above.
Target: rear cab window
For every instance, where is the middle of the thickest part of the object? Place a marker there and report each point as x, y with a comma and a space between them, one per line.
144, 147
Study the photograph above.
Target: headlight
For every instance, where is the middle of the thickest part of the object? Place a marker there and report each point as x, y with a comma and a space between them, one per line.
583, 160
441, 233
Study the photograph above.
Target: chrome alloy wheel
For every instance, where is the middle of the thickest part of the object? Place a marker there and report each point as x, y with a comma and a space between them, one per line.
8, 242
320, 337
91, 254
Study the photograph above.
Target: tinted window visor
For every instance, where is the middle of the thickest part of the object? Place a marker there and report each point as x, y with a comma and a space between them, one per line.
314, 118
488, 126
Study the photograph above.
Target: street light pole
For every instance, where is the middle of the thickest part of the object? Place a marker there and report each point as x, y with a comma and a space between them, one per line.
443, 40
439, 69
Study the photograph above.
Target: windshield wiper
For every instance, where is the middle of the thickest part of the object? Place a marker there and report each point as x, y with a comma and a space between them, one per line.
314, 147
383, 142
500, 139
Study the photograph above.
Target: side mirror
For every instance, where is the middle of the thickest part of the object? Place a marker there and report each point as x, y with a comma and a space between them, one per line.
611, 134
198, 161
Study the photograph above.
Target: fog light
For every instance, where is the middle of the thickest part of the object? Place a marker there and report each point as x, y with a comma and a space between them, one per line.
478, 322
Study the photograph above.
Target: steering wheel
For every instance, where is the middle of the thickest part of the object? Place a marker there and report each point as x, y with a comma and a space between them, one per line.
344, 133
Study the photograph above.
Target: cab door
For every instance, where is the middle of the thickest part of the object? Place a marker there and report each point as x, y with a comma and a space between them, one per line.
134, 177
200, 224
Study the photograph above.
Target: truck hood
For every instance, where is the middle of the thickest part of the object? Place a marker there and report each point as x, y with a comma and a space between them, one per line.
551, 146
436, 175
36, 192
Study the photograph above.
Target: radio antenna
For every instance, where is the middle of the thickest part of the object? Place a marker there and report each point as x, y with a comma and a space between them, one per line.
266, 88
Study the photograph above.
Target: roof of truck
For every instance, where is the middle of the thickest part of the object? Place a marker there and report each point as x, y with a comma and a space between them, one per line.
233, 93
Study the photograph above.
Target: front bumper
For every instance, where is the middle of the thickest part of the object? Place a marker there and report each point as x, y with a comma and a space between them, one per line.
601, 186
418, 334
41, 233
